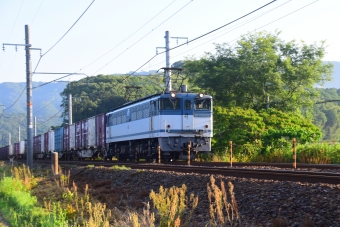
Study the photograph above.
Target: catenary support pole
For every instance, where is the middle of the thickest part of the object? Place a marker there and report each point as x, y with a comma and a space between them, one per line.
35, 126
167, 59
19, 134
29, 99
9, 138
70, 109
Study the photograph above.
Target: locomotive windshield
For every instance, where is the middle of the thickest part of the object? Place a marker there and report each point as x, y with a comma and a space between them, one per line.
170, 104
203, 104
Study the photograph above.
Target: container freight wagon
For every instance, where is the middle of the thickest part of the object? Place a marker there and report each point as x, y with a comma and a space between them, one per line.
58, 141
3, 153
101, 134
11, 150
87, 135
37, 152
17, 149
50, 144
78, 134
22, 150
46, 139
42, 140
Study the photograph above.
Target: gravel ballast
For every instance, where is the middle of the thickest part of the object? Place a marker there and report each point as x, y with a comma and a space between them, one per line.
260, 202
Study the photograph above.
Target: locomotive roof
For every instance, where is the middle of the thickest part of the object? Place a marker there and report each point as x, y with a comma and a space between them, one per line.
154, 95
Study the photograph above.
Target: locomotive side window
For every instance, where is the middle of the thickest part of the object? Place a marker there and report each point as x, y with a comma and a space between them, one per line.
170, 104
203, 104
187, 104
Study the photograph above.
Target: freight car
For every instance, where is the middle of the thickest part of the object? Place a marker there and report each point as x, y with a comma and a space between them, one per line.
174, 123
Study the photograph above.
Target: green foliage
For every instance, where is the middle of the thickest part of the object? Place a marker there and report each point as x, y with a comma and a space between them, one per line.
251, 131
262, 65
102, 93
327, 115
172, 204
21, 209
123, 167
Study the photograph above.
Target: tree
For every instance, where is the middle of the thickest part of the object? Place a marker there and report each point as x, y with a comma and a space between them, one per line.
100, 94
262, 66
270, 128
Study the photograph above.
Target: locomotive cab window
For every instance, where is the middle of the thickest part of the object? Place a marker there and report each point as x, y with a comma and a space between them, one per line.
187, 104
170, 104
203, 104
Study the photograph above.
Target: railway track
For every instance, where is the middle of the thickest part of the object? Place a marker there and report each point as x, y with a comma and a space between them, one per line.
225, 170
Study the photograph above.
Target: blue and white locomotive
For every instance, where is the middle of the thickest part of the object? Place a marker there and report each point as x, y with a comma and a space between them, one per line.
173, 122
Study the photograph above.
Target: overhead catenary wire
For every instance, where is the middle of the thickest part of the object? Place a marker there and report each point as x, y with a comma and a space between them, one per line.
142, 37
248, 32
63, 35
128, 36
201, 36
37, 11
173, 47
225, 32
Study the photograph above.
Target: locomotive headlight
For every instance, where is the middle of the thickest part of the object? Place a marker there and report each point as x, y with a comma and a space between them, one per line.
200, 95
173, 94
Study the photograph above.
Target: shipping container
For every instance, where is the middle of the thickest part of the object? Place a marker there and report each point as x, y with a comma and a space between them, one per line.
46, 143
17, 148
3, 153
91, 133
58, 139
66, 140
11, 150
101, 130
36, 144
22, 147
72, 137
84, 133
42, 138
51, 141
78, 135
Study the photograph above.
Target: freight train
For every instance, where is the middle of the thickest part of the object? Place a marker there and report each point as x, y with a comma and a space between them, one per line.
175, 123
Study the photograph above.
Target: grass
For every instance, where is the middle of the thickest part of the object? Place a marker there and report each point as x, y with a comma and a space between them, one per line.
48, 200
310, 153
123, 167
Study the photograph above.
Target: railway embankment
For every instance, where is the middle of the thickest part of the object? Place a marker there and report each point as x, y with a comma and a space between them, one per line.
260, 202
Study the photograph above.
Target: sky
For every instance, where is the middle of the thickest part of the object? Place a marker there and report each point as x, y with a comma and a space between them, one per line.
121, 36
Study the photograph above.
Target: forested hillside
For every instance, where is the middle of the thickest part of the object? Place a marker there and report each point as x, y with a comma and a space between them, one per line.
46, 102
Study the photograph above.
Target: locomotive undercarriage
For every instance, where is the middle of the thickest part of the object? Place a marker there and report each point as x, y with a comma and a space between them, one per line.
171, 149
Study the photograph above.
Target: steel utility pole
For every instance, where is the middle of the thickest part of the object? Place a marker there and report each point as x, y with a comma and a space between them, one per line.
70, 109
35, 126
167, 62
28, 49
29, 98
167, 69
19, 134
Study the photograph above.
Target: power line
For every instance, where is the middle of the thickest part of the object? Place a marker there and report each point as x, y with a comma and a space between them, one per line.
16, 20
37, 12
202, 36
143, 37
176, 46
63, 35
128, 36
249, 32
52, 116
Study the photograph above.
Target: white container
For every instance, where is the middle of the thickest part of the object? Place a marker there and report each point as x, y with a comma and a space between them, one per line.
51, 141
22, 147
11, 150
42, 142
91, 132
72, 137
